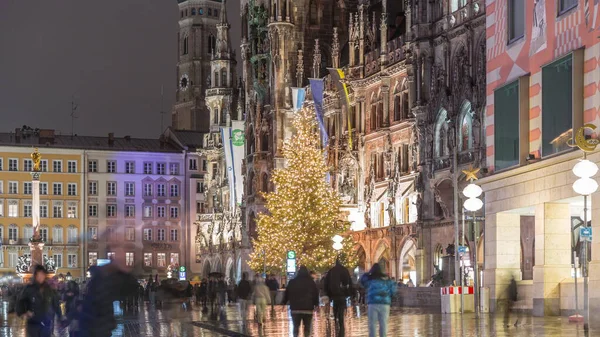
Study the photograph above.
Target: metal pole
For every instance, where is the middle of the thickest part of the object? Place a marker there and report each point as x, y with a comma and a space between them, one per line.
455, 184
476, 267
586, 308
462, 285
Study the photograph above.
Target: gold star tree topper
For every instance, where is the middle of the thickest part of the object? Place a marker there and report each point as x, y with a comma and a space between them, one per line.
471, 173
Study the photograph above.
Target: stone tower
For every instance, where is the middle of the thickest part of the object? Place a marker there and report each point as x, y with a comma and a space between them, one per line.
197, 42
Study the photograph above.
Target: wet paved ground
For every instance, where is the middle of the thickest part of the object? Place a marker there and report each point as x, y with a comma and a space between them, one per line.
403, 322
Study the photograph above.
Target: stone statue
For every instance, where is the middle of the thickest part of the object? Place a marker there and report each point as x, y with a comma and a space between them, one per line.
37, 159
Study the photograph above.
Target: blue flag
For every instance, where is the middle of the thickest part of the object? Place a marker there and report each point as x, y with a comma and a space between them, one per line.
317, 87
298, 96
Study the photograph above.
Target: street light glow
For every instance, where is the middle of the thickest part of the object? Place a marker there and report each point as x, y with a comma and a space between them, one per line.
472, 191
585, 186
585, 169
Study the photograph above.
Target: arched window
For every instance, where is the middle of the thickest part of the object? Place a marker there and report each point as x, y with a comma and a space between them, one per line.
250, 145
465, 141
216, 78
404, 101
401, 102
265, 183
223, 77
215, 115
212, 42
373, 117
441, 134
250, 183
314, 12
397, 108
185, 45
264, 142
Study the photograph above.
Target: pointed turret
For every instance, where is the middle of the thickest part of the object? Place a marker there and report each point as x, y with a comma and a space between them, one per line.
223, 48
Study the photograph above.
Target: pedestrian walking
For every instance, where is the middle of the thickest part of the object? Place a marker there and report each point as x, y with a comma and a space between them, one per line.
39, 304
303, 296
203, 293
339, 288
261, 298
273, 288
511, 298
244, 291
379, 290
323, 295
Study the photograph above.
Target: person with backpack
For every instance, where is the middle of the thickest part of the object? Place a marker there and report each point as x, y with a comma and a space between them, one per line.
303, 296
338, 288
379, 290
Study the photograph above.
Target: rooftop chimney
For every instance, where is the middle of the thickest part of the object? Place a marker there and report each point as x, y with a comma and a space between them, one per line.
111, 139
46, 136
128, 138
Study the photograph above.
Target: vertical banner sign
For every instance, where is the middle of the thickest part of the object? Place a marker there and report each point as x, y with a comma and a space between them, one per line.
233, 146
237, 141
298, 96
338, 75
291, 264
317, 87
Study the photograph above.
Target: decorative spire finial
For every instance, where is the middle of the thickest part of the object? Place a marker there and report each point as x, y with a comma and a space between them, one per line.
335, 49
316, 59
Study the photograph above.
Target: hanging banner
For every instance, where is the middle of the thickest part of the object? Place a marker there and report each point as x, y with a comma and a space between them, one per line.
317, 87
338, 77
228, 149
298, 96
237, 141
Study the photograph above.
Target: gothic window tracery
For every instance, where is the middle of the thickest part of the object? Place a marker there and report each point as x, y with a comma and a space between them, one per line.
466, 128
265, 183
441, 134
401, 107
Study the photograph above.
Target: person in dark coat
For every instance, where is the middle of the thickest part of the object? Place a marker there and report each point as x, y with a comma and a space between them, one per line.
244, 290
273, 286
303, 296
203, 290
111, 283
339, 288
39, 303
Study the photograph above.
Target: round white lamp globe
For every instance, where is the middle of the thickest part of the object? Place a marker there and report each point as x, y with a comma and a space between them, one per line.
585, 169
473, 204
585, 186
472, 191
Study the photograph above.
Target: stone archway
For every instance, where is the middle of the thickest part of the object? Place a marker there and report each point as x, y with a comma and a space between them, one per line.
362, 260
383, 257
407, 262
230, 270
206, 268
218, 266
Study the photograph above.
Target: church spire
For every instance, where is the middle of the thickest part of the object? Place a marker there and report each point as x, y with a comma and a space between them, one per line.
223, 47
223, 18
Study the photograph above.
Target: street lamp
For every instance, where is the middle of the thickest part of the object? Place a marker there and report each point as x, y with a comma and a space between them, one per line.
69, 276
337, 242
473, 204
169, 274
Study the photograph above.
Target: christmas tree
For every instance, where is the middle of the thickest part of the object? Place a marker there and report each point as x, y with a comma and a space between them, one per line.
303, 210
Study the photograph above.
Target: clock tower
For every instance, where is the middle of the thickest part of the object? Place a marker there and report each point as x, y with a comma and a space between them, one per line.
197, 43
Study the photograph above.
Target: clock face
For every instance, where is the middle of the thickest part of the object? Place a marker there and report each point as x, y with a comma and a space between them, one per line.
184, 82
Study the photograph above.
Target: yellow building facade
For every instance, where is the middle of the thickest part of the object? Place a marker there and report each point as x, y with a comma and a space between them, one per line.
61, 207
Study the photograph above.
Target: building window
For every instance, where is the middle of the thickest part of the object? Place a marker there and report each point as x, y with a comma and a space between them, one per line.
111, 211
27, 209
193, 11
160, 234
111, 166
72, 261
13, 233
44, 165
13, 208
465, 141
565, 5
93, 211
111, 188
129, 167
72, 166
147, 211
57, 188
161, 213
72, 189
72, 210
44, 188
161, 190
92, 258
13, 259
147, 168
57, 235
506, 130
93, 233
27, 187
57, 260
148, 234
57, 209
185, 45
161, 260
174, 169
314, 13
174, 212
130, 234
199, 187
1, 164
111, 255
72, 234
193, 164
129, 211
1, 187
147, 259
28, 165
441, 135
92, 166
174, 236
111, 234
1, 208
516, 19
174, 258
28, 232
147, 190
160, 168
129, 259
13, 187
93, 188
57, 165
13, 164
129, 189
174, 190
557, 105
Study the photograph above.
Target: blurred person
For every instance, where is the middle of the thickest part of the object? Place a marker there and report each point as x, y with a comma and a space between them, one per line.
303, 296
221, 292
112, 282
323, 295
203, 293
380, 290
73, 320
273, 286
511, 299
339, 288
39, 304
70, 295
244, 291
261, 298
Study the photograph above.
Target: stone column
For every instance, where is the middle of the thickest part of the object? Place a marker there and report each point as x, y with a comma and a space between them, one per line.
36, 245
502, 254
552, 256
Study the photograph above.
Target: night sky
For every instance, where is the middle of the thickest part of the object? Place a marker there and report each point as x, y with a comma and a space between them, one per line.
111, 56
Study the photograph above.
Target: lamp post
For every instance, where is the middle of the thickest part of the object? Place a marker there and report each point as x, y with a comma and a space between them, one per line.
473, 204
